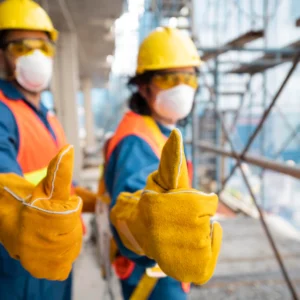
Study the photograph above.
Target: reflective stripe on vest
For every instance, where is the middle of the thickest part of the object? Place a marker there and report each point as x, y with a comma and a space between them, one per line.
36, 176
36, 144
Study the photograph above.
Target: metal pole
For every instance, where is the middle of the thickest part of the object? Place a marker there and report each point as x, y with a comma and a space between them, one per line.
258, 161
264, 101
287, 141
216, 89
218, 127
195, 149
219, 50
238, 112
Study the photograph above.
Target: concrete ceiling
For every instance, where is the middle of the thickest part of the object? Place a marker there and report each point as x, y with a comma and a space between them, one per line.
93, 22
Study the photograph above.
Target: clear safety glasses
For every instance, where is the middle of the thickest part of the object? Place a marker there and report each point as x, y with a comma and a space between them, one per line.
168, 80
26, 46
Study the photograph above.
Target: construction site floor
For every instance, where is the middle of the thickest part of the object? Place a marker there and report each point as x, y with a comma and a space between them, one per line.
246, 269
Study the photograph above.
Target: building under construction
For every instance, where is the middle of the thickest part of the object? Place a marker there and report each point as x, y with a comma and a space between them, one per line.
243, 135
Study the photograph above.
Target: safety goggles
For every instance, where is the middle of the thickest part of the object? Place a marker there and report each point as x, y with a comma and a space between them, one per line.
26, 46
168, 80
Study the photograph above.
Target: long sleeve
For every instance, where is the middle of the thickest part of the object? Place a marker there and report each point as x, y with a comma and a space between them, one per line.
9, 143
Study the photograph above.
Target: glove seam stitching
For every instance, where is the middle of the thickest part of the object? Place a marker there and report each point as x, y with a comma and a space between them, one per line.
23, 200
14, 195
54, 176
38, 208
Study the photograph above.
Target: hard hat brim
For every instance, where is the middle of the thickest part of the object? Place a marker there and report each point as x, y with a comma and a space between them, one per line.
158, 67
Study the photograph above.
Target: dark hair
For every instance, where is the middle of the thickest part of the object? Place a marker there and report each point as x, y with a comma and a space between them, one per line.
138, 104
3, 35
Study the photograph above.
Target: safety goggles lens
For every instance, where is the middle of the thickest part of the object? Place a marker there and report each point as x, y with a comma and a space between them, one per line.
169, 80
24, 47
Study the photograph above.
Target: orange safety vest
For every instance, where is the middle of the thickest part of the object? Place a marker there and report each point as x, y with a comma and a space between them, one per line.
36, 144
145, 128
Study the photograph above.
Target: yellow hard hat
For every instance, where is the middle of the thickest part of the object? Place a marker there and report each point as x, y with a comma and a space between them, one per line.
166, 48
25, 15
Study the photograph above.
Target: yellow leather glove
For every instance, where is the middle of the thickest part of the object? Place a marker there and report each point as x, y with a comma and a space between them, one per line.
170, 222
89, 199
41, 225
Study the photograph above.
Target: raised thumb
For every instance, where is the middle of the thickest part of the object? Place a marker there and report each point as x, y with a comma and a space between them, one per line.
172, 172
57, 183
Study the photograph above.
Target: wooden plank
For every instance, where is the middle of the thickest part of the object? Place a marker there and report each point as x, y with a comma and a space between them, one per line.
240, 41
266, 62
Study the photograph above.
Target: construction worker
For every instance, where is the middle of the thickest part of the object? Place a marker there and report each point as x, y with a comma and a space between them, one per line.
168, 224
166, 84
30, 136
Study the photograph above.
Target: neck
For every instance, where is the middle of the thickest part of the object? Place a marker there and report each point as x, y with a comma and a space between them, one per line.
33, 98
164, 121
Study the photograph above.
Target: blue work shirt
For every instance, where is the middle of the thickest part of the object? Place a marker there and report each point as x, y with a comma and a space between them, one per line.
127, 170
15, 282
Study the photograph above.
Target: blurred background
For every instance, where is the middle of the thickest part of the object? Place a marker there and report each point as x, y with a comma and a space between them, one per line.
243, 135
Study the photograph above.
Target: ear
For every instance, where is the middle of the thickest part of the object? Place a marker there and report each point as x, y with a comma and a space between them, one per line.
143, 90
2, 64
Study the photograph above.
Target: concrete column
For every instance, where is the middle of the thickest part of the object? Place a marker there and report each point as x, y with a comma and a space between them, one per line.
65, 85
86, 86
196, 14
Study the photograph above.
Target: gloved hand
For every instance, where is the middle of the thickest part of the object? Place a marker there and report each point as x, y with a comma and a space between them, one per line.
41, 225
89, 198
169, 222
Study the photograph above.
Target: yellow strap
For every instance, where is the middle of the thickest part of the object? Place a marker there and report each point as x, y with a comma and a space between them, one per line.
144, 288
159, 137
36, 176
101, 170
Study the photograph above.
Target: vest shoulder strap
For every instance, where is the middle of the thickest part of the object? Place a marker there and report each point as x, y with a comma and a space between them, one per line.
141, 126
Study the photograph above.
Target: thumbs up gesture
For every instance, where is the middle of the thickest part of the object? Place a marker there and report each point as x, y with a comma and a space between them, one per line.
170, 222
41, 225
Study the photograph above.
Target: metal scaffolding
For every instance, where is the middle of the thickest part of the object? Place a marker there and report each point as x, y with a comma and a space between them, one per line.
221, 134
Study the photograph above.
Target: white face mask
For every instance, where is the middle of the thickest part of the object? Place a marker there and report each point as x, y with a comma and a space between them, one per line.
34, 71
175, 103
